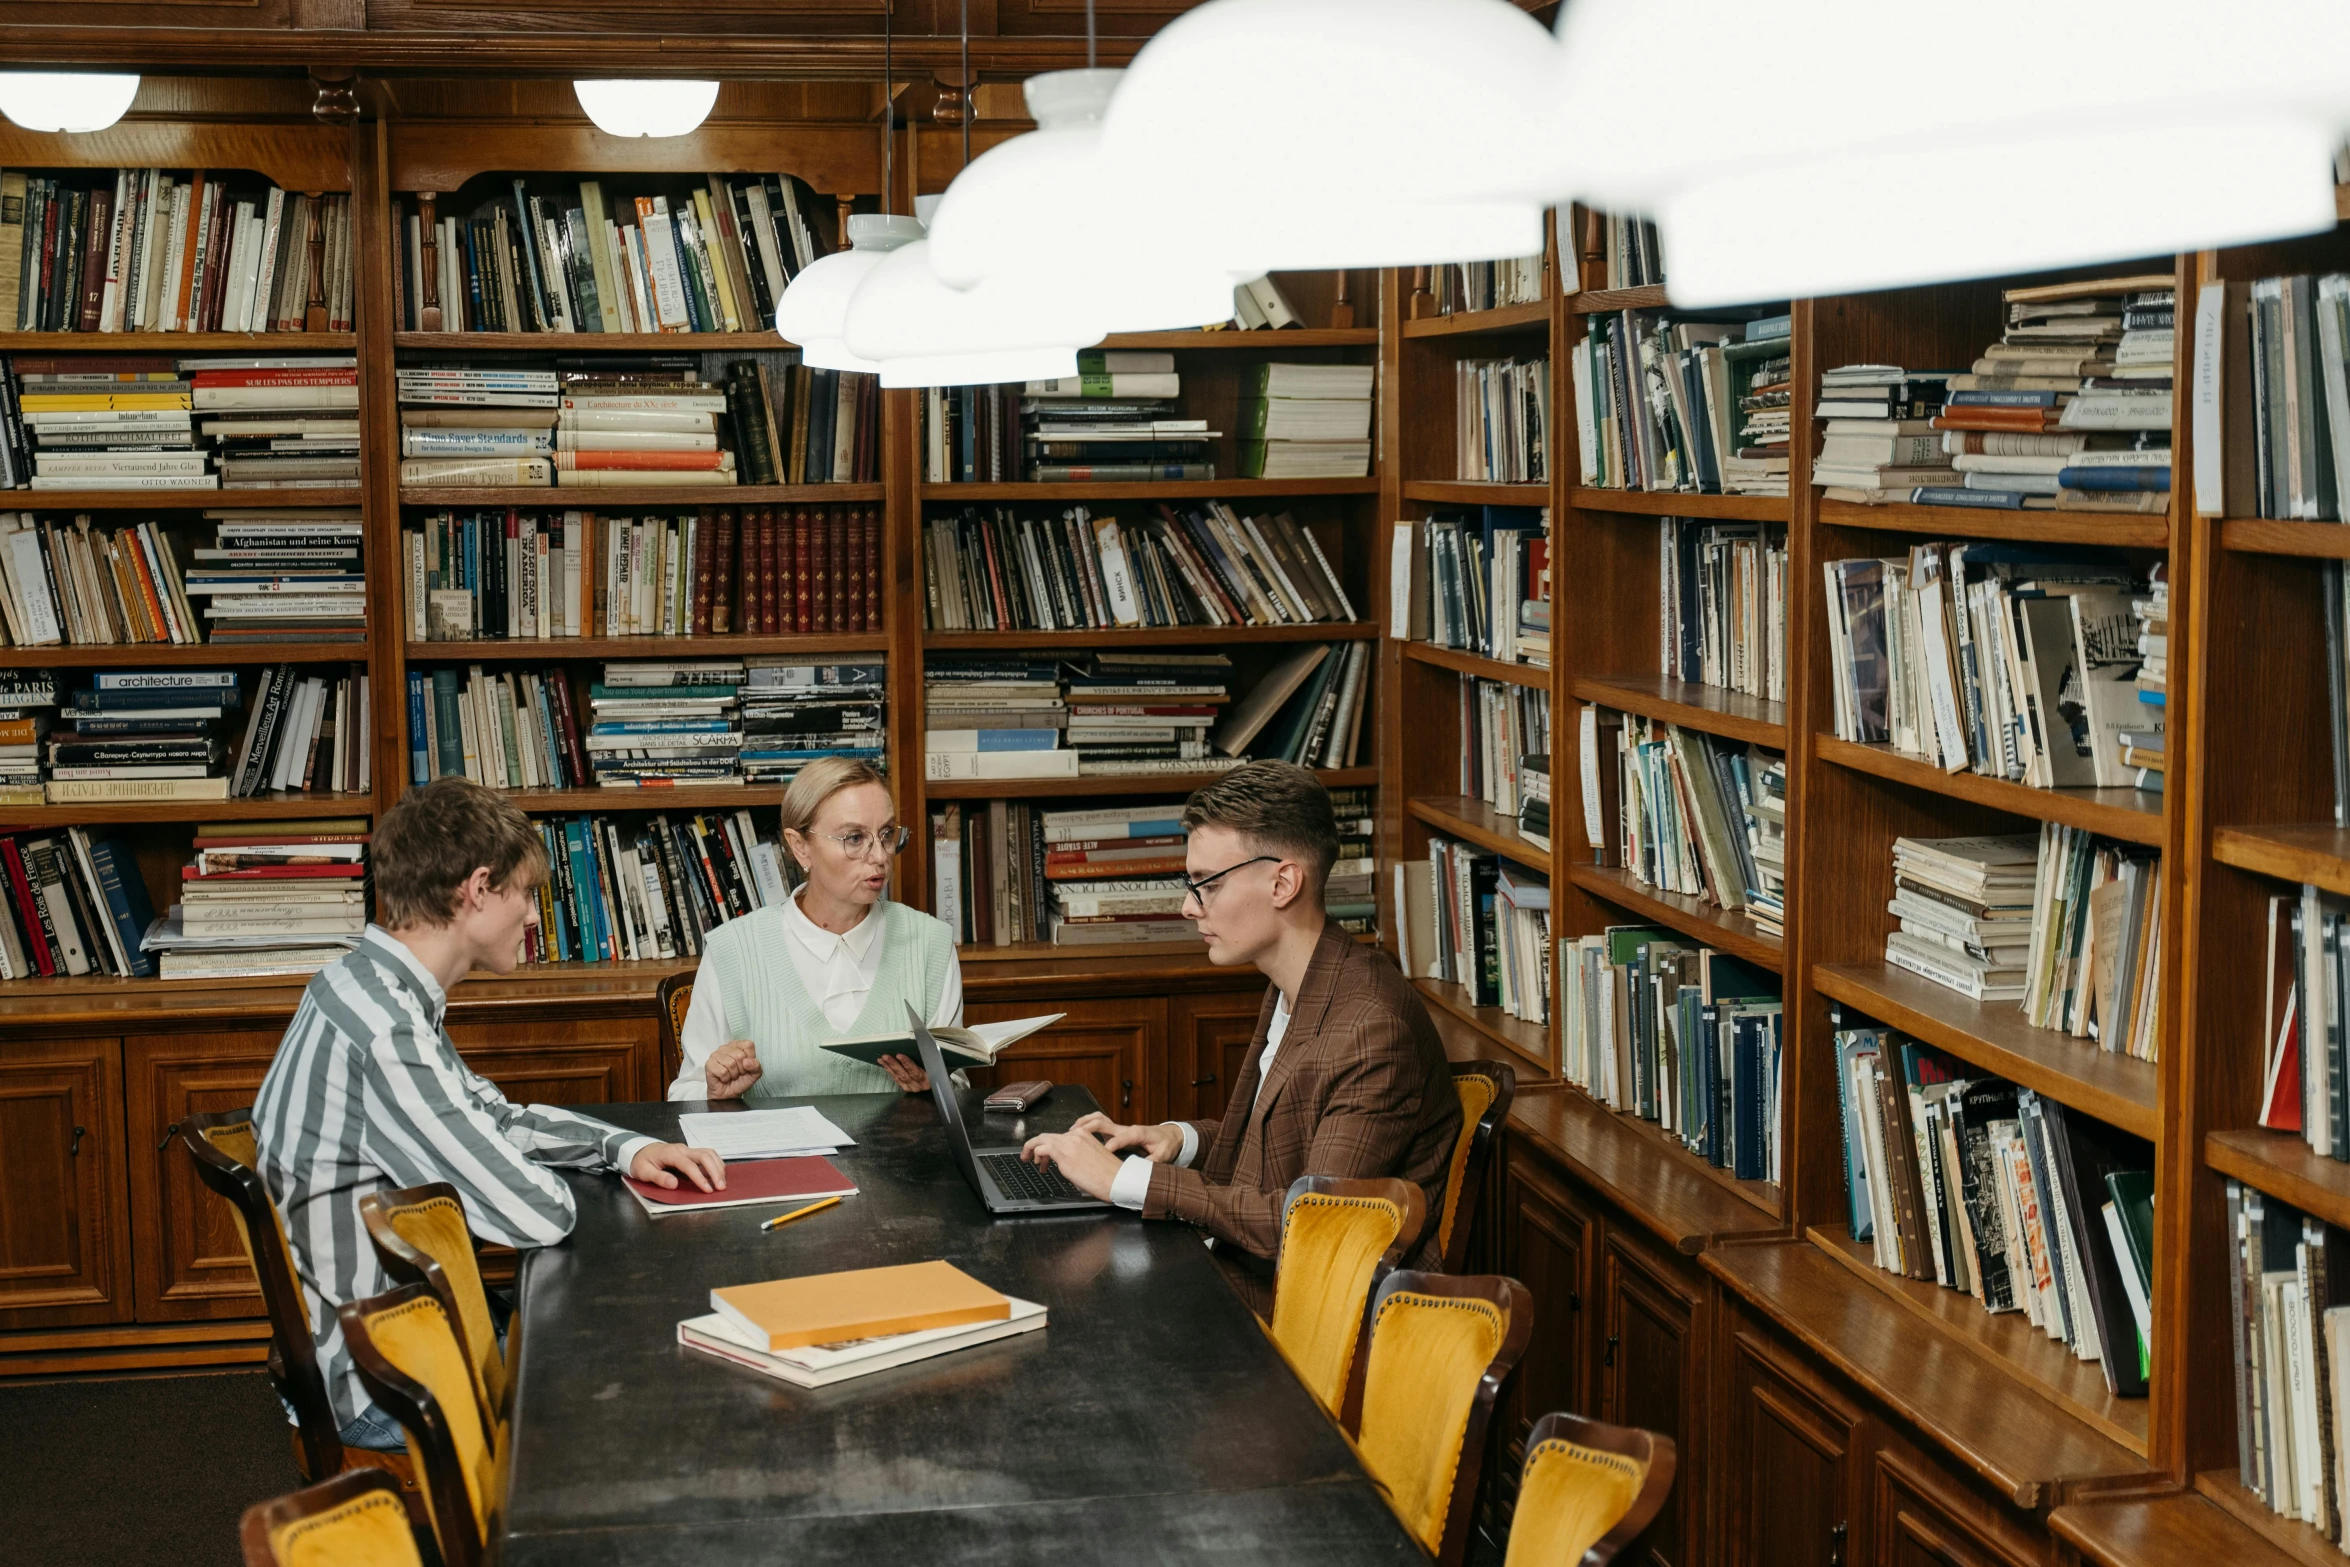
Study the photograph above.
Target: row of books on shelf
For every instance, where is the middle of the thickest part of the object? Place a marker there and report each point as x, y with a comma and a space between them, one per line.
1501, 420
267, 577
617, 420
1687, 813
630, 889
1460, 286
1208, 564
1504, 743
1479, 583
1473, 918
162, 250
2288, 341
1723, 593
253, 901
768, 571
1009, 871
278, 421
1626, 248
1962, 1179
2067, 924
2288, 1288
650, 725
713, 256
2070, 410
2305, 1088
1692, 401
1681, 1035
2014, 661
151, 735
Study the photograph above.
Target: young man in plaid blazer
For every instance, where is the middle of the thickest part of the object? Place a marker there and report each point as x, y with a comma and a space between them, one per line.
1345, 1075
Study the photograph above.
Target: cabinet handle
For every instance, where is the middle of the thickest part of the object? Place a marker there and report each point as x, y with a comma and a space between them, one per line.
1574, 1300
1125, 1092
169, 1133
1202, 1082
1836, 1546
74, 1149
1609, 1357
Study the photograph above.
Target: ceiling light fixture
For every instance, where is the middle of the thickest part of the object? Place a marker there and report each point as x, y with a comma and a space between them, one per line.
71, 101
657, 107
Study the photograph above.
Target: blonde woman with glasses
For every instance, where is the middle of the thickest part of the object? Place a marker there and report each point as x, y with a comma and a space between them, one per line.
838, 958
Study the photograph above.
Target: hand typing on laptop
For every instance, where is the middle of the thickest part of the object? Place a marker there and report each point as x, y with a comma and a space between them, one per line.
1084, 1160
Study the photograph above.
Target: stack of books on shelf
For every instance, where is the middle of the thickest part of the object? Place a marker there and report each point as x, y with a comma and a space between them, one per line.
1626, 249
154, 250
90, 586
1722, 588
1204, 565
144, 735
1962, 1179
713, 257
1011, 872
1966, 908
1534, 792
102, 423
1666, 400
281, 576
794, 714
1681, 1035
632, 889
1112, 421
1133, 713
260, 901
1501, 724
972, 434
28, 705
71, 903
459, 721
1350, 893
1487, 285
1479, 583
649, 425
994, 716
1306, 421
1522, 946
1684, 811
2014, 661
2288, 1289
1501, 420
663, 723
1484, 926
282, 421
1880, 435
1306, 708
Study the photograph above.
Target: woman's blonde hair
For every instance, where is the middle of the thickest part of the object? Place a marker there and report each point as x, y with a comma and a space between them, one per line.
816, 783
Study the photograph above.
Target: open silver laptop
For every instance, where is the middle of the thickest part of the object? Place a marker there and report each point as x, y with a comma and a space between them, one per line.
1004, 1181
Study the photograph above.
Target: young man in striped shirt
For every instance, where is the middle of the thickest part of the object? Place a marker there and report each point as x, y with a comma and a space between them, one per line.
367, 1093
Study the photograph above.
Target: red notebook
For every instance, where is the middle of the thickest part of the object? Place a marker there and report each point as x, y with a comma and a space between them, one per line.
774, 1182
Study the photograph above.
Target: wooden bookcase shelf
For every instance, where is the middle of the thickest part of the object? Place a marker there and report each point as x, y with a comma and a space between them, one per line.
2119, 529
452, 343
177, 343
258, 808
1715, 709
271, 498
1476, 822
2296, 1541
534, 650
1458, 492
1462, 662
1677, 503
200, 655
2275, 536
2313, 853
682, 797
1594, 301
1532, 316
1151, 490
1123, 784
2133, 815
555, 497
1993, 1035
1263, 341
1153, 636
1695, 918
1512, 1033
2283, 1165
1677, 1197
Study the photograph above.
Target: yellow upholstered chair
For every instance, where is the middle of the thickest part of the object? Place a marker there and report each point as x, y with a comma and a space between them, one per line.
1485, 1089
421, 1237
676, 997
353, 1520
1588, 1491
227, 1158
406, 1352
1441, 1346
1338, 1239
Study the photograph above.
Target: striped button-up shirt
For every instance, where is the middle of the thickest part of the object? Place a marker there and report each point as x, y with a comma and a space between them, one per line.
367, 1094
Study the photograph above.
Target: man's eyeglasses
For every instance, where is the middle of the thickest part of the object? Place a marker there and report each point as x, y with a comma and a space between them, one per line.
857, 842
1204, 888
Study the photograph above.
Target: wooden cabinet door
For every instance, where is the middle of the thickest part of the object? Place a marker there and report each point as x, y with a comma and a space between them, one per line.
1923, 1517
1208, 1036
1115, 1048
189, 1263
1652, 1375
578, 1061
1548, 1238
1790, 1449
65, 1239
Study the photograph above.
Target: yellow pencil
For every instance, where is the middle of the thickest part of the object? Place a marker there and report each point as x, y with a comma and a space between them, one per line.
798, 1213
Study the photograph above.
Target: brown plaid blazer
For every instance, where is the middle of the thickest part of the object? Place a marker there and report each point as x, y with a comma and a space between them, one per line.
1360, 1087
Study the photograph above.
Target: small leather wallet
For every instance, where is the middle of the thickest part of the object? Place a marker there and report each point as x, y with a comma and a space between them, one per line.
1017, 1097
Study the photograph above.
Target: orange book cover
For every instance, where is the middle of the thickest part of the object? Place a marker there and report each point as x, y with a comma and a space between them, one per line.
836, 1308
2027, 420
706, 462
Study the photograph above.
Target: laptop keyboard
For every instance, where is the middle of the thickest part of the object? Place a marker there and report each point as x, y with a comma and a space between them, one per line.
1016, 1177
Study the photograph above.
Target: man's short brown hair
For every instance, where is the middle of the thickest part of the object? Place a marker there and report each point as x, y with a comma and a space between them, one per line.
1278, 807
437, 836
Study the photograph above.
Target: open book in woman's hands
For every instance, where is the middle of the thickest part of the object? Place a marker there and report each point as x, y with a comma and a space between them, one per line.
977, 1045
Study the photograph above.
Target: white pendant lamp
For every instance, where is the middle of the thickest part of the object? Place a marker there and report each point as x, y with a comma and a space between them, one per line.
1311, 134
65, 100
1969, 165
1039, 205
923, 333
814, 310
646, 107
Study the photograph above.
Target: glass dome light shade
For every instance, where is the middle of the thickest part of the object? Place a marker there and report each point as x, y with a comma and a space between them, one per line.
924, 333
814, 310
1039, 204
73, 101
646, 107
1309, 134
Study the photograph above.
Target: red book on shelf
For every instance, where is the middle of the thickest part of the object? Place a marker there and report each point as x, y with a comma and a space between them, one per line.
97, 256
130, 370
670, 462
2028, 420
837, 579
705, 540
275, 872
803, 557
567, 719
770, 572
317, 377
247, 840
28, 912
823, 523
872, 569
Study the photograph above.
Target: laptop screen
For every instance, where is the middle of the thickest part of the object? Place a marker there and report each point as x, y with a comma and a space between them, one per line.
942, 1090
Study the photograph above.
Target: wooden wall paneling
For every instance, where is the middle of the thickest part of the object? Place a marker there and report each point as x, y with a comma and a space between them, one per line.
1652, 1372
374, 294
1115, 1049
300, 157
1920, 1515
65, 1231
1387, 697
1788, 1487
1208, 1039
188, 1263
442, 155
1549, 1241
566, 1060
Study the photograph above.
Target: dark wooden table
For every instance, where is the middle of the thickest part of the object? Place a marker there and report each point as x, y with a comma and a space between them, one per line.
1151, 1421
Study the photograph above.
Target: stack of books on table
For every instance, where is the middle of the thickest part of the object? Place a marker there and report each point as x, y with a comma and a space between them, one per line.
105, 424
1146, 712
1114, 421
1307, 708
817, 1330
282, 421
670, 722
306, 732
628, 887
28, 704
259, 900
1966, 911
1109, 875
994, 716
91, 586
72, 902
1880, 440
281, 576
140, 734
1301, 421
794, 714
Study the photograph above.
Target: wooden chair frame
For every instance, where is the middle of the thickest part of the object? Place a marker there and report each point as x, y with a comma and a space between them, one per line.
263, 1519
675, 994
1483, 1145
1645, 1447
1405, 1195
412, 1404
1517, 1302
407, 1265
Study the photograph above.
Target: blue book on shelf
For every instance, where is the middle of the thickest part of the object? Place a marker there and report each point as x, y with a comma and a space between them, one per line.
419, 763
166, 679
125, 891
2114, 478
1955, 495
1017, 739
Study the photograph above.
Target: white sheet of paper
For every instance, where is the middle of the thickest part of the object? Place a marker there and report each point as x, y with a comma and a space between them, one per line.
762, 1134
